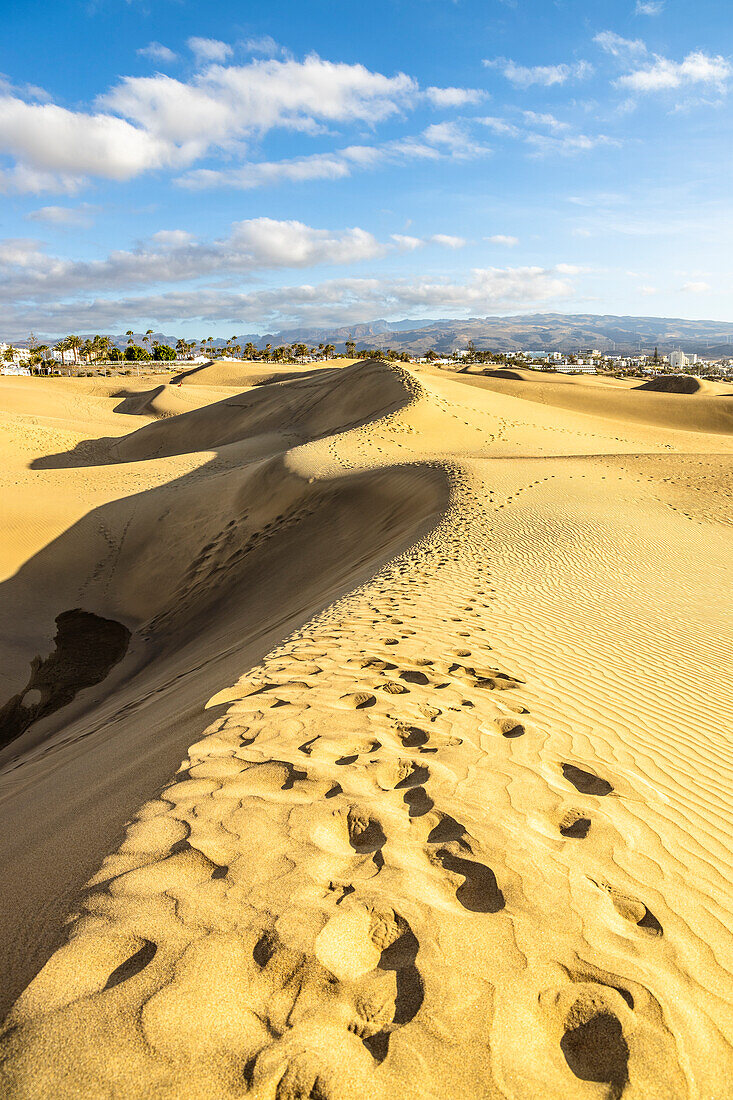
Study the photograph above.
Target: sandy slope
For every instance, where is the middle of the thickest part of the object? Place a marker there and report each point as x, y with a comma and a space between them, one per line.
445, 660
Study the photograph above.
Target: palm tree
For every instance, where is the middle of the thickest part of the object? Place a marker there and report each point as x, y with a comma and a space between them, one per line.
328, 349
129, 334
146, 338
350, 349
60, 347
74, 343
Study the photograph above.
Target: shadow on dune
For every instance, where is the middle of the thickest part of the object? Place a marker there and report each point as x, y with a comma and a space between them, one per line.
682, 383
135, 402
309, 406
503, 373
207, 572
194, 370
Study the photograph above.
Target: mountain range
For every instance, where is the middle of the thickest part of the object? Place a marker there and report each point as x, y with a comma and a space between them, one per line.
528, 332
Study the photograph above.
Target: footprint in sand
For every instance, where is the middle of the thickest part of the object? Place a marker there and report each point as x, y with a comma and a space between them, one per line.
586, 782
358, 700
575, 824
631, 909
479, 892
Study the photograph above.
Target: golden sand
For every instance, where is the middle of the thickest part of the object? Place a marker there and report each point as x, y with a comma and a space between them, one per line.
414, 780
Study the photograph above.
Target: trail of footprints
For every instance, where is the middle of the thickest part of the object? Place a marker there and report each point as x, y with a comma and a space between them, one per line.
282, 919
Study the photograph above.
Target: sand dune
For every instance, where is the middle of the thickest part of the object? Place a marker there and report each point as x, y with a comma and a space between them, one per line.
413, 775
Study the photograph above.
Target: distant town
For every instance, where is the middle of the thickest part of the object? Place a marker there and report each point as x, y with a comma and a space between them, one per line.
91, 355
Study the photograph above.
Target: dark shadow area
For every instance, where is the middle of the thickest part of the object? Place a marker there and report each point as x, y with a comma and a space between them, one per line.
672, 383
132, 966
597, 1051
187, 373
586, 782
135, 402
480, 892
87, 647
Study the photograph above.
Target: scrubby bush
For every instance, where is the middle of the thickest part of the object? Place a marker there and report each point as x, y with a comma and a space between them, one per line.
134, 353
162, 352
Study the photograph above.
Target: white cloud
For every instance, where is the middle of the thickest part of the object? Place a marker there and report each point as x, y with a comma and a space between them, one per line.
648, 290
649, 7
546, 75
145, 123
209, 49
264, 44
499, 126
50, 141
226, 104
454, 97
156, 52
553, 124
503, 239
663, 74
568, 144
447, 241
170, 256
617, 46
438, 142
406, 242
456, 138
336, 301
63, 215
695, 288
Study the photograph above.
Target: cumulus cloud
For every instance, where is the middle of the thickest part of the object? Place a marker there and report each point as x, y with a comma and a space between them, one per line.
454, 97
695, 288
404, 241
503, 239
618, 46
51, 141
226, 104
543, 119
63, 215
649, 7
264, 44
174, 255
146, 123
170, 256
697, 68
523, 76
156, 52
209, 49
567, 144
335, 301
448, 241
499, 126
437, 142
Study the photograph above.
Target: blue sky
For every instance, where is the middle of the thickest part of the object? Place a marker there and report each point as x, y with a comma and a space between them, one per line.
241, 167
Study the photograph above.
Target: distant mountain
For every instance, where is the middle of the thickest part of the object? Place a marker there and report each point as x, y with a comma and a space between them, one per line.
530, 332
534, 333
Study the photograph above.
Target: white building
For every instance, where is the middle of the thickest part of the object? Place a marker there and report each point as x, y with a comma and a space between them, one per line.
677, 359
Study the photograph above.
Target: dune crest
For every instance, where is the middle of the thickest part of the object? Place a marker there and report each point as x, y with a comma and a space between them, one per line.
451, 811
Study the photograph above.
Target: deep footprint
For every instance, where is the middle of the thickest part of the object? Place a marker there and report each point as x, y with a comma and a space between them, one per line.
586, 782
480, 892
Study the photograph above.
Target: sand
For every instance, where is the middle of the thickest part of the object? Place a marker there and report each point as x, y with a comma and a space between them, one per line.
407, 769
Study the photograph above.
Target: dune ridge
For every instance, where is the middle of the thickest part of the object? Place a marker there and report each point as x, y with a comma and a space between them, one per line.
465, 828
